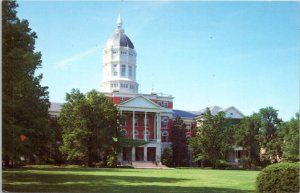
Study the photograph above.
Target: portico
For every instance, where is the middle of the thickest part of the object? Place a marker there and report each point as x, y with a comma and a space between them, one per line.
143, 122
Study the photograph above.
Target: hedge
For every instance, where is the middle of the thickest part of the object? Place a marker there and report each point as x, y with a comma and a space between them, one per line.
281, 177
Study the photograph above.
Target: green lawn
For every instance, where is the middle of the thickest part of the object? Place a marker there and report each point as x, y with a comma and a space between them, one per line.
127, 180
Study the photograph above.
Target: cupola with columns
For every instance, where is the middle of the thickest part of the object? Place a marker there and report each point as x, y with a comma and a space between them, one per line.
119, 63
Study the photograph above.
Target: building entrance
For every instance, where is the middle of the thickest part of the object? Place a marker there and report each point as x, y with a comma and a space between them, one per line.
127, 153
139, 153
151, 152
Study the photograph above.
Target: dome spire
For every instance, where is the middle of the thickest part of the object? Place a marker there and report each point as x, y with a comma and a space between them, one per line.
119, 24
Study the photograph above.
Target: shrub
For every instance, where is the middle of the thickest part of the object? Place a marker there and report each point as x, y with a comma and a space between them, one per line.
221, 164
166, 157
281, 177
112, 161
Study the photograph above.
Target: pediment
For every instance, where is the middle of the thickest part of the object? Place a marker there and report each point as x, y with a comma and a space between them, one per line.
140, 102
232, 112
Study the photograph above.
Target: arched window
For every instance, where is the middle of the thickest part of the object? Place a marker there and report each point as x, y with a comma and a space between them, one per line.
165, 121
146, 135
164, 136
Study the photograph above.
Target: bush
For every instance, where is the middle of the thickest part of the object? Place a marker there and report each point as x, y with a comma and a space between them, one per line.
112, 161
281, 177
166, 157
222, 164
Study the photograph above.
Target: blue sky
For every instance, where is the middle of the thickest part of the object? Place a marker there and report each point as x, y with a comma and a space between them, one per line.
242, 54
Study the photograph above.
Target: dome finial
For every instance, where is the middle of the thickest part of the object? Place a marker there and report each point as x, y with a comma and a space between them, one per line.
119, 24
119, 21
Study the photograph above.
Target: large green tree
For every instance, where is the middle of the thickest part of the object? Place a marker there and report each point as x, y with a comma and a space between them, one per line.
25, 102
179, 143
91, 128
290, 143
247, 136
210, 140
269, 139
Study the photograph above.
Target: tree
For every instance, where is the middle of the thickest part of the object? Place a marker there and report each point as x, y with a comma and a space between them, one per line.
290, 132
91, 128
25, 102
179, 143
269, 140
247, 136
209, 141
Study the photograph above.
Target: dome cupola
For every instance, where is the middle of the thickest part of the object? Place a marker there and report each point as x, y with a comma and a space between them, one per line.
119, 63
119, 39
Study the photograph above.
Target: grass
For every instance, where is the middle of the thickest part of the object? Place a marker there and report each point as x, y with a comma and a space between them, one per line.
46, 179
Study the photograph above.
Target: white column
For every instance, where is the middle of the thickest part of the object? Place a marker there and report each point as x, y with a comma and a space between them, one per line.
145, 153
157, 123
158, 152
145, 125
159, 129
133, 125
154, 125
133, 154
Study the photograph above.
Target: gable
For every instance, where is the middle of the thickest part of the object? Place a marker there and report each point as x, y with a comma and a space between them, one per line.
139, 102
232, 112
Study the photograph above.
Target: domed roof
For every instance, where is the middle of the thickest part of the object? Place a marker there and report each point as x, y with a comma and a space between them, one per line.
119, 38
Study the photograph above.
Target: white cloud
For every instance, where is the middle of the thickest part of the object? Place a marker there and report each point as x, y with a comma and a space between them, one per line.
72, 59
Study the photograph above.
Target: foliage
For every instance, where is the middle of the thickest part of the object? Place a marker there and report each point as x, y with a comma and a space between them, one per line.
222, 164
91, 128
290, 132
25, 101
269, 140
55, 153
166, 157
210, 140
281, 177
179, 143
247, 136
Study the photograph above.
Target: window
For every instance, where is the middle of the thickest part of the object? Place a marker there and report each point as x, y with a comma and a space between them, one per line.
123, 70
130, 71
136, 120
146, 135
166, 104
136, 134
115, 70
164, 136
165, 121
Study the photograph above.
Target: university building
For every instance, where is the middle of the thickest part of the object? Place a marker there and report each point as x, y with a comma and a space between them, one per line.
147, 116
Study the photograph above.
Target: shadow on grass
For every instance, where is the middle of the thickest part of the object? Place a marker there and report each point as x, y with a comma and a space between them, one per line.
47, 182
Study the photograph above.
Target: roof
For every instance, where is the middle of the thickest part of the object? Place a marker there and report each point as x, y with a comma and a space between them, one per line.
183, 114
55, 107
228, 111
120, 40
